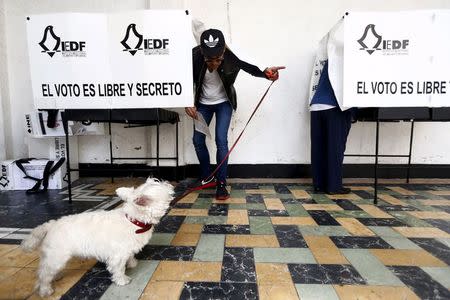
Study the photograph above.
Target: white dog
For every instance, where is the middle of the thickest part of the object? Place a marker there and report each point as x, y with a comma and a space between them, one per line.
112, 237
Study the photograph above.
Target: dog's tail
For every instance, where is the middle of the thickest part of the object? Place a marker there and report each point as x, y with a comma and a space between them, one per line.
34, 239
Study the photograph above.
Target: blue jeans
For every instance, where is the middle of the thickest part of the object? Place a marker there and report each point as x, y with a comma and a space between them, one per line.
223, 113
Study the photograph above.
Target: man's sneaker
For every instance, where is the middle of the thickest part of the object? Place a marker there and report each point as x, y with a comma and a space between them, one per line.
221, 191
201, 184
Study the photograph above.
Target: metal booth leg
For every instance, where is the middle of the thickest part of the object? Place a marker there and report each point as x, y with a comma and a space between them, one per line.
410, 151
375, 198
110, 146
69, 183
176, 151
157, 142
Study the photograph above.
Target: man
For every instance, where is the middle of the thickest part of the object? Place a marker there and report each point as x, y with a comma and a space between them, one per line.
330, 127
215, 69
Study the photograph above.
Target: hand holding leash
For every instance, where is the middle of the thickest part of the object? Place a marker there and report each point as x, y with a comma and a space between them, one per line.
272, 72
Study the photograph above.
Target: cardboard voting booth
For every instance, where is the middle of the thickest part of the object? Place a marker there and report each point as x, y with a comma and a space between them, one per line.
138, 59
388, 59
397, 59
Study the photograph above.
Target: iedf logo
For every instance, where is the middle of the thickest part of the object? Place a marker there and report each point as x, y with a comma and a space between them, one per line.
134, 42
51, 43
371, 41
4, 181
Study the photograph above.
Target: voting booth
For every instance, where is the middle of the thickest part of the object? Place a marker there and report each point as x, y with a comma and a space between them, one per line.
397, 59
393, 66
108, 67
139, 59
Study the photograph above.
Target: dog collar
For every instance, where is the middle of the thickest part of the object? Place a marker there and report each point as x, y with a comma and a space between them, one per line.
144, 226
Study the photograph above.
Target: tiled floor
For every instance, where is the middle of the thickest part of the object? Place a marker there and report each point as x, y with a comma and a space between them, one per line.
273, 239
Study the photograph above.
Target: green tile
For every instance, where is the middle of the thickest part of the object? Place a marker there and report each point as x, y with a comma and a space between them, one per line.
202, 203
195, 220
388, 192
385, 231
400, 243
321, 199
216, 220
296, 210
349, 214
140, 276
210, 248
364, 201
421, 206
206, 220
430, 195
237, 193
316, 291
247, 206
237, 206
261, 225
161, 238
284, 255
441, 275
285, 196
409, 219
370, 268
323, 230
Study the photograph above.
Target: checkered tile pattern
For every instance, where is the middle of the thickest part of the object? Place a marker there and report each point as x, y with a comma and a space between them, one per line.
275, 241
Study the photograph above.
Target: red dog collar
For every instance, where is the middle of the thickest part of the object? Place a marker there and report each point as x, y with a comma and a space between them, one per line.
144, 227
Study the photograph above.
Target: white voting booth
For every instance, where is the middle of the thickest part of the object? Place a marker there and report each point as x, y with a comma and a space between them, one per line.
388, 59
129, 60
397, 59
139, 59
394, 64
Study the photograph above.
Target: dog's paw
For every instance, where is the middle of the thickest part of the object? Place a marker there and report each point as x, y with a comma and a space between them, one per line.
58, 276
132, 263
123, 280
45, 291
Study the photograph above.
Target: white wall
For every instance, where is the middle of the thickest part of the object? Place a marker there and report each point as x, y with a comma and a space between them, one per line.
4, 125
264, 33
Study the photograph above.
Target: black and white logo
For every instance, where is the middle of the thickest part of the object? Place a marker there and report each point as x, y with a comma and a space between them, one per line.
371, 41
134, 42
29, 126
211, 42
4, 178
52, 43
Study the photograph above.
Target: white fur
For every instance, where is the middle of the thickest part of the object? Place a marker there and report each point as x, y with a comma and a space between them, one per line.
107, 236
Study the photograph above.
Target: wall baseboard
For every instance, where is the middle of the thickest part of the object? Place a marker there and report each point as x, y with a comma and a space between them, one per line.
265, 171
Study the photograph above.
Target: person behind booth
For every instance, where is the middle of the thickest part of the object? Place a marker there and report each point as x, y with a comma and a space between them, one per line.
215, 69
330, 127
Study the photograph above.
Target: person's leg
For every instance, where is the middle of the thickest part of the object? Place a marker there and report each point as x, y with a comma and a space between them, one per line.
338, 127
318, 151
223, 117
199, 142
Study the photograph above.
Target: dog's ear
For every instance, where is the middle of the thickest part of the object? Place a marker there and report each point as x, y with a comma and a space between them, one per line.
151, 180
142, 201
124, 192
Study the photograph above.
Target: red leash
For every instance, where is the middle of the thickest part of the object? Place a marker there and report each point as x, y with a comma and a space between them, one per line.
210, 177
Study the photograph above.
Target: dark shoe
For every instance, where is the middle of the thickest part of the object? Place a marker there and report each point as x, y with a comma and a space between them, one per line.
221, 192
201, 184
318, 190
341, 191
